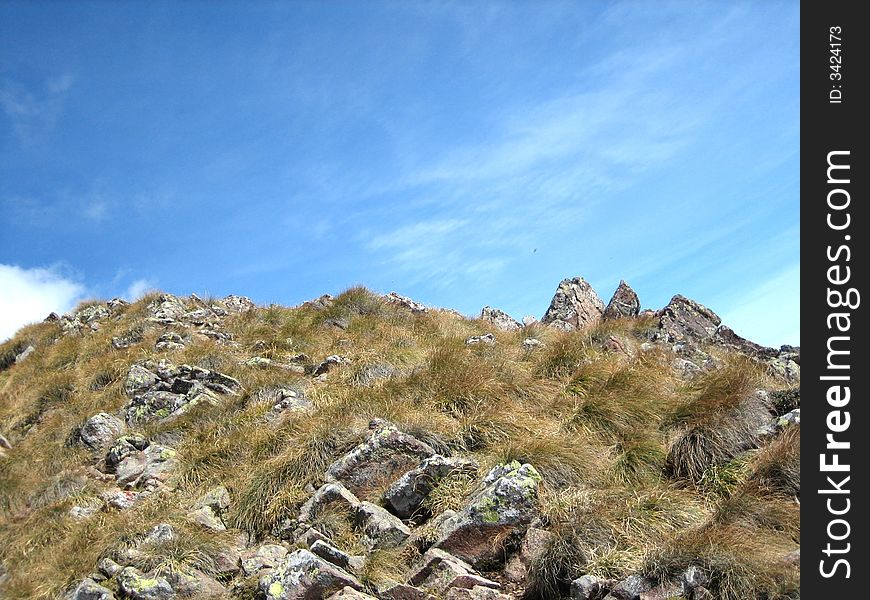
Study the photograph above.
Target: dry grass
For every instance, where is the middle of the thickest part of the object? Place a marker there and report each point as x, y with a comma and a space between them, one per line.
606, 429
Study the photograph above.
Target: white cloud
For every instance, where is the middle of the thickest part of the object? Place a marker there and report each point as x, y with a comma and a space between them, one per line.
28, 295
139, 288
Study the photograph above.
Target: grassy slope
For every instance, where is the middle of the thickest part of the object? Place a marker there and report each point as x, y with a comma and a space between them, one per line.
598, 425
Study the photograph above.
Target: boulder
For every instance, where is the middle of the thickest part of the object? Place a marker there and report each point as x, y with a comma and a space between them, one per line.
500, 319
505, 504
136, 586
404, 301
624, 303
664, 591
589, 587
530, 344
405, 496
379, 460
206, 517
631, 588
477, 592
123, 447
423, 568
22, 356
330, 553
151, 465
574, 306
328, 363
99, 430
348, 593
89, 589
382, 530
193, 582
305, 576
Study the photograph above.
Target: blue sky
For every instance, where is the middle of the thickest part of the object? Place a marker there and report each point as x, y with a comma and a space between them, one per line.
463, 153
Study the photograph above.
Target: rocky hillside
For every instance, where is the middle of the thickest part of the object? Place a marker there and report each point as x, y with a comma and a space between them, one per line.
367, 446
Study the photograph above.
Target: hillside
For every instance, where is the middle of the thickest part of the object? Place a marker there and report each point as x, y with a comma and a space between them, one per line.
368, 446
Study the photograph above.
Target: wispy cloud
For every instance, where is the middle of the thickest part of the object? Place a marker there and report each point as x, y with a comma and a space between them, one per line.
34, 111
30, 294
139, 288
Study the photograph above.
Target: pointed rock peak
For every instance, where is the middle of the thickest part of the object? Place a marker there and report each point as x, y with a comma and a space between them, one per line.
624, 303
574, 306
500, 319
686, 320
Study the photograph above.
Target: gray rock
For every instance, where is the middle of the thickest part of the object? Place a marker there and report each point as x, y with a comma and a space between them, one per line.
405, 496
451, 574
505, 504
80, 513
108, 567
624, 303
368, 375
206, 517
383, 457
530, 344
169, 341
574, 306
402, 591
267, 556
534, 544
139, 379
529, 320
330, 553
423, 568
328, 494
121, 500
404, 301
486, 338
217, 498
88, 589
588, 587
123, 447
4, 443
193, 582
22, 356
146, 466
99, 430
381, 529
305, 576
321, 303
631, 587
500, 319
137, 586
478, 592
693, 577
664, 591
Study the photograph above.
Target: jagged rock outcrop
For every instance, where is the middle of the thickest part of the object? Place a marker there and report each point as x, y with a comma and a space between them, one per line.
499, 319
574, 306
624, 303
686, 320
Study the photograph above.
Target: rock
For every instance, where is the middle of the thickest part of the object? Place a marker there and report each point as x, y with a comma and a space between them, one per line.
4, 443
448, 574
684, 320
505, 504
402, 591
284, 400
624, 303
88, 589
423, 568
383, 457
534, 544
121, 500
302, 576
785, 369
702, 593
790, 418
370, 374
99, 430
685, 368
615, 345
486, 338
108, 567
477, 592
193, 582
227, 562
694, 577
404, 301
137, 586
139, 379
574, 306
530, 344
169, 342
80, 513
237, 304
499, 318
726, 337
162, 533
141, 467
22, 356
167, 309
631, 587
530, 320
206, 517
405, 496
123, 447
217, 498
588, 587
664, 591
328, 363
348, 593
321, 303
267, 556
328, 494
52, 317
381, 529
330, 553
